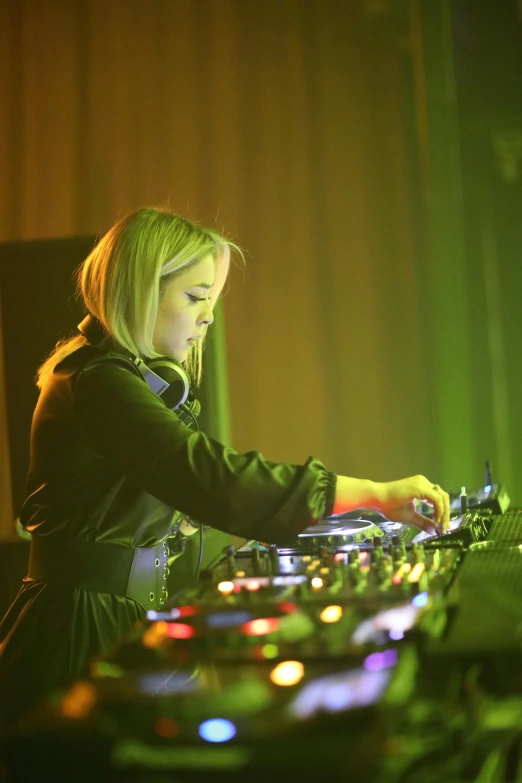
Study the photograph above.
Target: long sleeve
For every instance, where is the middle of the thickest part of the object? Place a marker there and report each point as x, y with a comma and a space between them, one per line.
128, 426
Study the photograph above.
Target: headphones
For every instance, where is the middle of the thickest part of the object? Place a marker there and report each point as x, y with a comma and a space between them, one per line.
165, 377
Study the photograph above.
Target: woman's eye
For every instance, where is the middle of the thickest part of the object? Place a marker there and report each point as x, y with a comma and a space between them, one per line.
196, 298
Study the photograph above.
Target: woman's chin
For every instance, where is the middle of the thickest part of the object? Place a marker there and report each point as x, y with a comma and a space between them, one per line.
180, 355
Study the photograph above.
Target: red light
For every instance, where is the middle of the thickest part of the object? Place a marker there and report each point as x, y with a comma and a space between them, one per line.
339, 557
237, 588
363, 555
187, 611
252, 586
396, 579
260, 627
288, 607
166, 727
180, 631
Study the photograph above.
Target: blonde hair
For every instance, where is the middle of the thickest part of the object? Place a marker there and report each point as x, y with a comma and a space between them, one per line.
121, 281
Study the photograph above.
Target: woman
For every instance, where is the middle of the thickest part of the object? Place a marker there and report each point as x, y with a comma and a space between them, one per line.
114, 471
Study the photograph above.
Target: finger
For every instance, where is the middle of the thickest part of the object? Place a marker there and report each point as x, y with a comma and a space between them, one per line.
432, 494
426, 524
444, 520
447, 510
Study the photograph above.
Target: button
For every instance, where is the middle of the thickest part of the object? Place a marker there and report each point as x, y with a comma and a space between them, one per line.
157, 562
151, 596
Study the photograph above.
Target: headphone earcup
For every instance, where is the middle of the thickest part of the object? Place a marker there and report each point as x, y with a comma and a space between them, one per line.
178, 381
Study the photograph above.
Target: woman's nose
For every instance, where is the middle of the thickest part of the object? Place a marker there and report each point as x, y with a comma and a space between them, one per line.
207, 316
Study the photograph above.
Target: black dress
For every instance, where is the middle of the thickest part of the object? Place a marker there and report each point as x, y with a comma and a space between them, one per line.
110, 464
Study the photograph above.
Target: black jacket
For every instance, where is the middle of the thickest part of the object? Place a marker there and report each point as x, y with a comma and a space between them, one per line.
111, 464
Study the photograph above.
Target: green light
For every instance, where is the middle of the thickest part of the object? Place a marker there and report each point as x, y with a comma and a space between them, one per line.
270, 650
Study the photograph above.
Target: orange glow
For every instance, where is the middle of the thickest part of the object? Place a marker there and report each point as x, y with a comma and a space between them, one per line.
180, 631
253, 585
287, 673
363, 555
166, 727
154, 635
260, 627
331, 614
79, 702
339, 557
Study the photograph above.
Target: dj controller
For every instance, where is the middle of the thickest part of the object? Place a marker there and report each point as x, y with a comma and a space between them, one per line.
367, 651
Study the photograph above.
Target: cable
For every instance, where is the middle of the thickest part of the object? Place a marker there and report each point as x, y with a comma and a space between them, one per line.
186, 409
200, 557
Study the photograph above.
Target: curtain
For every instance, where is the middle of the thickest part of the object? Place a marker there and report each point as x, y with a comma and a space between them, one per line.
282, 122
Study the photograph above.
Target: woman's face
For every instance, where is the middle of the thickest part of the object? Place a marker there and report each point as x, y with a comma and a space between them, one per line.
185, 309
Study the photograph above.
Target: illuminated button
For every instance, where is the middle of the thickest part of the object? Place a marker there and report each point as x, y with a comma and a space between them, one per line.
153, 636
240, 573
306, 558
399, 575
287, 673
416, 572
317, 583
217, 730
331, 614
225, 587
261, 626
420, 600
324, 570
311, 567
316, 562
253, 585
180, 631
339, 557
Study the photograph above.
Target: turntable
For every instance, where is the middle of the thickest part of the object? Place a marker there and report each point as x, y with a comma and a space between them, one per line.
340, 531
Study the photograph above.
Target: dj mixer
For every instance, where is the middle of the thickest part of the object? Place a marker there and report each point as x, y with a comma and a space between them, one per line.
366, 651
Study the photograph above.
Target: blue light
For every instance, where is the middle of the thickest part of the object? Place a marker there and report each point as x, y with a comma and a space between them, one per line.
217, 730
227, 619
420, 600
487, 488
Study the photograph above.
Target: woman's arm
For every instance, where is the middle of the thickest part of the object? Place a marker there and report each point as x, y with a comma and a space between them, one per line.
395, 499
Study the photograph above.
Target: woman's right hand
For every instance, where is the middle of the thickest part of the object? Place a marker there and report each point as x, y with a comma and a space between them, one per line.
396, 500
